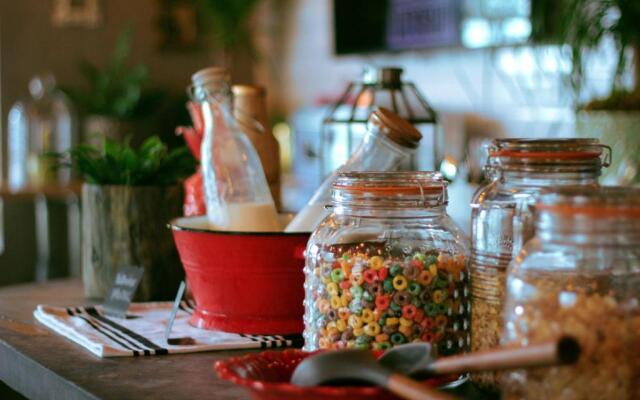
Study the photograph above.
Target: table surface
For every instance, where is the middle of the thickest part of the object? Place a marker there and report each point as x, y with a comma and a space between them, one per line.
43, 365
40, 364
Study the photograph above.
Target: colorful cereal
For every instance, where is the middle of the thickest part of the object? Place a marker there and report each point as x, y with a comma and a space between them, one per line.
377, 298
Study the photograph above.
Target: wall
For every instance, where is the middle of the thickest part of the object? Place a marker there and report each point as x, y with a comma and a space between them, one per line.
29, 44
519, 86
515, 91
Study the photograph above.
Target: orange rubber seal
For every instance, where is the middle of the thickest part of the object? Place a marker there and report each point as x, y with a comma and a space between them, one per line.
391, 190
546, 154
591, 210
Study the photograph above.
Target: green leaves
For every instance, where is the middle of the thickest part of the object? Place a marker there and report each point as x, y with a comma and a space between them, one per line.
116, 90
229, 20
582, 24
153, 164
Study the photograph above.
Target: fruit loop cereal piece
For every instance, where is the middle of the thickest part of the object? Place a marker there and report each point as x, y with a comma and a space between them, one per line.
376, 298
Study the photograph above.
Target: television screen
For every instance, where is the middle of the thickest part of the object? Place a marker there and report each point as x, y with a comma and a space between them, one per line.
391, 25
363, 26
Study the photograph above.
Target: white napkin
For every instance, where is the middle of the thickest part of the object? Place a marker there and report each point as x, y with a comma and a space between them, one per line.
142, 332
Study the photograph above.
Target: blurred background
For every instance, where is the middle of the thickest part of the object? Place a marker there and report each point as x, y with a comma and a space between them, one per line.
120, 68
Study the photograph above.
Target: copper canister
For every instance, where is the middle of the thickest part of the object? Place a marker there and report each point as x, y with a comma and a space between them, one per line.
250, 110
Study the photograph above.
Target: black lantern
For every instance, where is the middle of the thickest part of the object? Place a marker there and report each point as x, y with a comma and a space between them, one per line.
345, 124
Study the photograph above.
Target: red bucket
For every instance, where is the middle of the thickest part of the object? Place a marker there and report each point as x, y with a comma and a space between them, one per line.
243, 282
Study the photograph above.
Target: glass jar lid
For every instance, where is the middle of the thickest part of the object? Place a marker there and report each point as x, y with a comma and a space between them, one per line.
406, 189
589, 202
523, 154
607, 216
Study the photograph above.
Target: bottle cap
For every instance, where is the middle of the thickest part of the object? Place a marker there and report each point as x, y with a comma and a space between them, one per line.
396, 128
208, 81
210, 75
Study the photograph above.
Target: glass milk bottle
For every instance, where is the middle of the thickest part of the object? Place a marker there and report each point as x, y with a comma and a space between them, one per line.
40, 126
389, 140
236, 190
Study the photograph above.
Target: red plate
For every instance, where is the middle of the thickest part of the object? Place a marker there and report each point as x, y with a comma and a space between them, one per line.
266, 375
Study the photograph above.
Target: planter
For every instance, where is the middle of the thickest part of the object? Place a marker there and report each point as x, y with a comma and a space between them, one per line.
618, 129
125, 225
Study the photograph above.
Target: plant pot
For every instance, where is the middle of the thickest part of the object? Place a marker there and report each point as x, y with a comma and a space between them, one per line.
619, 130
126, 225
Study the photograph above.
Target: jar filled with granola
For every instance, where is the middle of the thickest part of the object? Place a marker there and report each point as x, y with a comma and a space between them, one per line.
579, 276
501, 219
387, 266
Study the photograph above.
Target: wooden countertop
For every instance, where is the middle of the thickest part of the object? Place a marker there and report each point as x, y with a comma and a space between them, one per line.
40, 364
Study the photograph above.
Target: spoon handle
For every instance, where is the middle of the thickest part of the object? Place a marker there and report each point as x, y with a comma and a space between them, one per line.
409, 389
566, 350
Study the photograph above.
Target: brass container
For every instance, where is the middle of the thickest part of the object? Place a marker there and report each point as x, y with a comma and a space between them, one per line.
250, 106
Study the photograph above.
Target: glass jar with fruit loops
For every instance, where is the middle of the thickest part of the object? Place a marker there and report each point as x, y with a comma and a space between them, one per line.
501, 219
387, 266
579, 276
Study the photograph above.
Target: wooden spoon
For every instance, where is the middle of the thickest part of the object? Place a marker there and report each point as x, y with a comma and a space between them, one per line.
415, 359
349, 366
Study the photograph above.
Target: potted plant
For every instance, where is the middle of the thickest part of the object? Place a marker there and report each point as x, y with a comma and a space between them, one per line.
583, 25
115, 94
229, 23
128, 197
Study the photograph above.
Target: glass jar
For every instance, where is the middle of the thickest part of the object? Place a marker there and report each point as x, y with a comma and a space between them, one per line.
579, 276
501, 219
387, 266
389, 141
380, 87
36, 128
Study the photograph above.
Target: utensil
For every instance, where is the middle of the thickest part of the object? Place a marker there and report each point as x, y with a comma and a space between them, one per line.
347, 366
174, 310
415, 359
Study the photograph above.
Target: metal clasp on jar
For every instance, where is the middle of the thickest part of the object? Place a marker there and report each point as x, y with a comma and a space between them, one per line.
606, 155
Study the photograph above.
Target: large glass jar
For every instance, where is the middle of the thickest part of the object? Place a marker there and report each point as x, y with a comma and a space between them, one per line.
389, 141
387, 266
579, 276
40, 126
501, 219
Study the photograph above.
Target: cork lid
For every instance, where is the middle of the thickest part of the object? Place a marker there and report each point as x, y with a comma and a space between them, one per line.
396, 128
